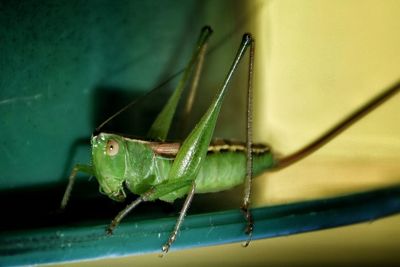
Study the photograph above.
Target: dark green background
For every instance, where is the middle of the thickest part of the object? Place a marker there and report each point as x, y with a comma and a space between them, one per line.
66, 65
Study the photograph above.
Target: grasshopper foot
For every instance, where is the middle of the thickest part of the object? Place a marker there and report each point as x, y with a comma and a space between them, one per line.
250, 224
110, 228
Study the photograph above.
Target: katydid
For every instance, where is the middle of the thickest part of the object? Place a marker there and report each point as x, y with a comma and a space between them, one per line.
153, 168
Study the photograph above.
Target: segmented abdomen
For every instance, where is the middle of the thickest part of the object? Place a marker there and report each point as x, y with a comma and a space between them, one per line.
225, 166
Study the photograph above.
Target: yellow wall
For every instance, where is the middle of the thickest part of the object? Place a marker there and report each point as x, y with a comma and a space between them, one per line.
319, 60
316, 62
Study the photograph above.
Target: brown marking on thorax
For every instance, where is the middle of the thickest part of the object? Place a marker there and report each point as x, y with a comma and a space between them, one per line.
216, 146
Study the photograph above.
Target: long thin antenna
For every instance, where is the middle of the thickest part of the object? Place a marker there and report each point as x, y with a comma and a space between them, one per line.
116, 114
337, 129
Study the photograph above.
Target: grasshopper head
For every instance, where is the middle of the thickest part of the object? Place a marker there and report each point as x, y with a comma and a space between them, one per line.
108, 156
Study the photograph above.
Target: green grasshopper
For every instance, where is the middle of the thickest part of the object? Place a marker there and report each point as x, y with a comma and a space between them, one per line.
156, 169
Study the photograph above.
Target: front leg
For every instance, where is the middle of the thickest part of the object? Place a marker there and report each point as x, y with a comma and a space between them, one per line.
154, 193
116, 221
71, 180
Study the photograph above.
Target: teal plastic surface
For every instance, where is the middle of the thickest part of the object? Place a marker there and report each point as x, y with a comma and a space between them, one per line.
59, 244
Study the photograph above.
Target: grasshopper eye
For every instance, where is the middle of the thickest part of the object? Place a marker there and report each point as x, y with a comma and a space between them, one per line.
112, 147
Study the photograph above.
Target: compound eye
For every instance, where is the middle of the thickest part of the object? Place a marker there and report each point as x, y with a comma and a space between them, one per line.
112, 147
